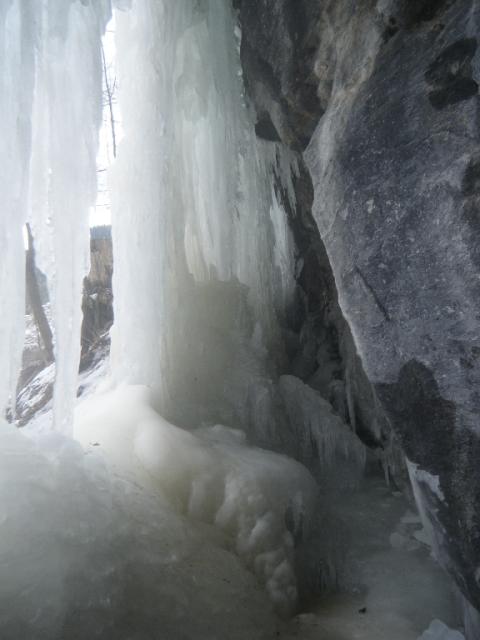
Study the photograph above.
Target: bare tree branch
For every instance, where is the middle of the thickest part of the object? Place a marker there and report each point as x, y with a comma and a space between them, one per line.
109, 92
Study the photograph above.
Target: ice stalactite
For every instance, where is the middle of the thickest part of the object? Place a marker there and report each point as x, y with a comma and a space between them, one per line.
203, 261
204, 264
196, 224
323, 441
66, 118
16, 61
50, 110
211, 476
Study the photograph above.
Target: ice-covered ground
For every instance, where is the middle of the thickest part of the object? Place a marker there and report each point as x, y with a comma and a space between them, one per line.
145, 514
86, 554
392, 586
147, 530
210, 475
152, 530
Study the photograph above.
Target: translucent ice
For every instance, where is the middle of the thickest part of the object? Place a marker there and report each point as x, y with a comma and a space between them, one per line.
50, 108
17, 60
87, 555
199, 236
210, 475
65, 121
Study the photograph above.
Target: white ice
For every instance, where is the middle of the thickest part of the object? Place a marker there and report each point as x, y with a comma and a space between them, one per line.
203, 251
209, 475
86, 554
50, 109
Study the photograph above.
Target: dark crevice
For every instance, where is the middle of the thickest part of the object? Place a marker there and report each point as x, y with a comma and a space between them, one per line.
326, 357
426, 11
265, 129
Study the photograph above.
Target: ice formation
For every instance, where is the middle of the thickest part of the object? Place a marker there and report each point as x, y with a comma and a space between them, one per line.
203, 274
195, 220
149, 526
91, 555
50, 107
16, 60
196, 224
209, 475
324, 442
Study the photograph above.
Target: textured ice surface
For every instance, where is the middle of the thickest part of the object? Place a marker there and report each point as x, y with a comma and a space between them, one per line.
196, 223
16, 61
324, 441
389, 593
50, 106
86, 554
151, 530
209, 475
203, 259
66, 117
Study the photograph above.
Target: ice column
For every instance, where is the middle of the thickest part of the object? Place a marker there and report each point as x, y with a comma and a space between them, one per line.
195, 217
65, 137
50, 108
16, 87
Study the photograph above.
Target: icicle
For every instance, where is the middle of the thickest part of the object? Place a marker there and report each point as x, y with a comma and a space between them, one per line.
66, 118
16, 89
319, 434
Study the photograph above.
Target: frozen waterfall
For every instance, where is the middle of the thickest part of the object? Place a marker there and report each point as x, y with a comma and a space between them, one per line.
196, 221
203, 274
50, 109
171, 499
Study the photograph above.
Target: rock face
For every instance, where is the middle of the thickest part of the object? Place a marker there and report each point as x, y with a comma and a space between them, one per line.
35, 386
97, 301
393, 153
281, 79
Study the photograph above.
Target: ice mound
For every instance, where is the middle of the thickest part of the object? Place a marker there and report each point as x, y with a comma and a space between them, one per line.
209, 475
439, 631
86, 555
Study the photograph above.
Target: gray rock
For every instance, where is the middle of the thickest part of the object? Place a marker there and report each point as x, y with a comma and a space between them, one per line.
395, 165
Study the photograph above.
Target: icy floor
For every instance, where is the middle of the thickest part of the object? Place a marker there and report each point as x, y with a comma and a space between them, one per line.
395, 587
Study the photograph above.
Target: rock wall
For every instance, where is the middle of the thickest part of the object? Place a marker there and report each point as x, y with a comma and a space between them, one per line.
382, 98
97, 300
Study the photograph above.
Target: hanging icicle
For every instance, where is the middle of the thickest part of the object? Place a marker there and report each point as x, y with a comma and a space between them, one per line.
50, 110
